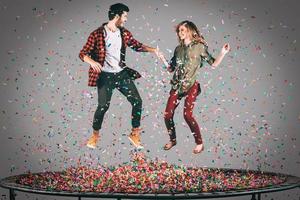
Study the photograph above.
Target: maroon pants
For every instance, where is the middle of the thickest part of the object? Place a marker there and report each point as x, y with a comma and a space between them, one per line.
173, 102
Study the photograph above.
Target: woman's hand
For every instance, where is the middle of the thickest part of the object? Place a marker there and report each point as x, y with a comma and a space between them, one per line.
225, 49
161, 56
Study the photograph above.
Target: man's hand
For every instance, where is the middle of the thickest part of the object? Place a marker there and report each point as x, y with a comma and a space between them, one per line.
96, 66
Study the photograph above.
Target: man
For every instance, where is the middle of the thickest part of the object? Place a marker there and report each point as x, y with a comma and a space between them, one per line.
105, 52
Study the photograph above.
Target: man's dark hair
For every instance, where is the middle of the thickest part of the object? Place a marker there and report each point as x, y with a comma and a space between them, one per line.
117, 9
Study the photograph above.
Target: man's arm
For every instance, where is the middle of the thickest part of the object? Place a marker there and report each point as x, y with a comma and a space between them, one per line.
149, 49
136, 45
95, 65
87, 50
88, 47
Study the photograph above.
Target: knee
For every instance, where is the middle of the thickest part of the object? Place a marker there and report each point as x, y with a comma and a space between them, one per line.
103, 107
136, 102
188, 115
168, 115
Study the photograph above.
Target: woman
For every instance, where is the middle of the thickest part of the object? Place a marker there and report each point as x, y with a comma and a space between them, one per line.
187, 60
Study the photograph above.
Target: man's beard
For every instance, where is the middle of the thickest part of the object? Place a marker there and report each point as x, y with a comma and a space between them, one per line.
119, 23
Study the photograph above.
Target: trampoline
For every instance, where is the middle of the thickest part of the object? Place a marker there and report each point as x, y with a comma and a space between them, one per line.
150, 180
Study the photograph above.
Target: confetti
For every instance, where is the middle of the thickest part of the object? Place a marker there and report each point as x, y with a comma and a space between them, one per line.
142, 175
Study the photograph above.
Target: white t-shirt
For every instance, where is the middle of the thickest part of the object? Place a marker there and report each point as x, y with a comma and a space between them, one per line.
113, 43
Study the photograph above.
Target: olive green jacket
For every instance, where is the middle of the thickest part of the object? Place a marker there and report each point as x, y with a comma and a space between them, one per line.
186, 62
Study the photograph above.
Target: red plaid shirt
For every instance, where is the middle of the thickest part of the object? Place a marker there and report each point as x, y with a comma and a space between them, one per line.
95, 48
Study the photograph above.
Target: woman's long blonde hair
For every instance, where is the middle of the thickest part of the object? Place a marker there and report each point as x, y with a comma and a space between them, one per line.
192, 28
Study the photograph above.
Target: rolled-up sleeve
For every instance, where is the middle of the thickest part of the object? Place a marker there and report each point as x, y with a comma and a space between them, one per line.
133, 43
172, 63
88, 47
205, 55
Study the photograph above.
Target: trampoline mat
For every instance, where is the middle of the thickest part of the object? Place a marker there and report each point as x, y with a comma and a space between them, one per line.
143, 176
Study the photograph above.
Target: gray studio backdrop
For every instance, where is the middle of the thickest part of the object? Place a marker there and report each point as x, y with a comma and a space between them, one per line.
248, 109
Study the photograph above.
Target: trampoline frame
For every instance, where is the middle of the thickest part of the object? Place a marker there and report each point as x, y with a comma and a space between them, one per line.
290, 183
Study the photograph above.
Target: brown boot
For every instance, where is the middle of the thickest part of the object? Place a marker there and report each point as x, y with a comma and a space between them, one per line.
170, 144
93, 140
134, 138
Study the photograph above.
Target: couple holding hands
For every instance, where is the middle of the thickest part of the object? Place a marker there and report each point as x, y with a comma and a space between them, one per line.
105, 51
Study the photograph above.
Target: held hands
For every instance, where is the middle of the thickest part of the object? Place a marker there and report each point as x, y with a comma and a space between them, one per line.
161, 56
225, 49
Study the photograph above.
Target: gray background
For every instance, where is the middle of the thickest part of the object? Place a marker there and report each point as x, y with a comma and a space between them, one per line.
248, 109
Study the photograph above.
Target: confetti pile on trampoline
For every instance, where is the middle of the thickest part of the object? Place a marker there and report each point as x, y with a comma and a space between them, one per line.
146, 176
